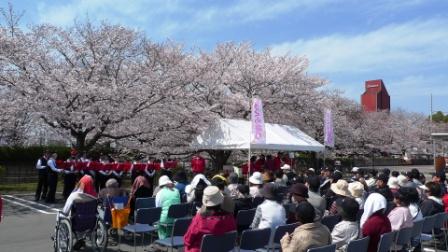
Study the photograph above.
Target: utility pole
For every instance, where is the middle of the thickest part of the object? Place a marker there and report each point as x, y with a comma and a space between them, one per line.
432, 139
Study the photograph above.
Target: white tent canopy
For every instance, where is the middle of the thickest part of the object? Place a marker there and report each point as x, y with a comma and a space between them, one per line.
229, 134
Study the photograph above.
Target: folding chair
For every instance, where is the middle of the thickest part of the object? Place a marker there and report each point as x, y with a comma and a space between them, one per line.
328, 248
445, 229
176, 240
428, 230
254, 239
279, 232
219, 243
331, 221
439, 224
176, 211
144, 218
403, 239
416, 234
386, 241
145, 203
244, 218
360, 245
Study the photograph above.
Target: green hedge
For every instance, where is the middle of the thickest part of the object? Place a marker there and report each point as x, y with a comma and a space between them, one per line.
9, 154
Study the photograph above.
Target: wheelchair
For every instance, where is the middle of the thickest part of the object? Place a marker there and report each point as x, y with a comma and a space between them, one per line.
82, 223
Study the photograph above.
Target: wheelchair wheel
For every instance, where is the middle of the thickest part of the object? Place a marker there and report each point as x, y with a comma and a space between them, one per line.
99, 236
64, 238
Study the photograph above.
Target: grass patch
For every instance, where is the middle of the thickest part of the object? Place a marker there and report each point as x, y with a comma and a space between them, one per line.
25, 187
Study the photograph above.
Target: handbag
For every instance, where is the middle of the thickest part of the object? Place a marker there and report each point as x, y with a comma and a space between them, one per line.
120, 217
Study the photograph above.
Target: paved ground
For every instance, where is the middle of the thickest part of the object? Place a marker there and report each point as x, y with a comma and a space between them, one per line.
28, 226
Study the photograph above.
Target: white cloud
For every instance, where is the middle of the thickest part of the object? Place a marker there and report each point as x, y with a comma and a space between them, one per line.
420, 85
397, 46
171, 16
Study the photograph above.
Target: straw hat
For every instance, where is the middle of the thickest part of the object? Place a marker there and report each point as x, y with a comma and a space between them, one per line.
356, 189
256, 178
212, 196
341, 188
164, 180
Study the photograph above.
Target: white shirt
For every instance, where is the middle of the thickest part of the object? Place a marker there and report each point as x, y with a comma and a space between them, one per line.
269, 214
39, 165
344, 232
76, 196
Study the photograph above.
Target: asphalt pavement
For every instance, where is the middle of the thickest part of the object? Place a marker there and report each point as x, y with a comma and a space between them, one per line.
27, 226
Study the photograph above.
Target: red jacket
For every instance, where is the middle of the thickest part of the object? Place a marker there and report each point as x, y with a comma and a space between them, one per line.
277, 163
197, 164
200, 226
445, 202
375, 226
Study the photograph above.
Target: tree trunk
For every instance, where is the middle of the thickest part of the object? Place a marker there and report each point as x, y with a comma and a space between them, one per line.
80, 144
219, 158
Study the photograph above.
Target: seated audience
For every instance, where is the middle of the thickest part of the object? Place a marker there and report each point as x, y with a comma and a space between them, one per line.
340, 189
210, 219
168, 195
356, 189
414, 206
221, 182
439, 178
270, 213
314, 198
243, 201
233, 185
348, 229
382, 187
180, 182
374, 222
84, 191
400, 217
195, 190
433, 203
309, 234
256, 184
140, 189
111, 190
393, 184
298, 193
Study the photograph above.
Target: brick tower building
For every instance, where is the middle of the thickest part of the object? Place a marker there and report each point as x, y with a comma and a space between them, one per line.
375, 98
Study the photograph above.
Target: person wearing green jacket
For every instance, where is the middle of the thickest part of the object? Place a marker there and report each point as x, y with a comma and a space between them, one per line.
168, 195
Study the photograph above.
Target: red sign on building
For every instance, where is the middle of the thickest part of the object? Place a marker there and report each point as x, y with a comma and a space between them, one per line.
375, 98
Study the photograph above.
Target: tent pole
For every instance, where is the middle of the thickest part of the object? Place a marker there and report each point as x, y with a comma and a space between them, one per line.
325, 148
250, 138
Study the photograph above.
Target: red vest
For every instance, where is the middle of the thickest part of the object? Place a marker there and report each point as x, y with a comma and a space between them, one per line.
197, 164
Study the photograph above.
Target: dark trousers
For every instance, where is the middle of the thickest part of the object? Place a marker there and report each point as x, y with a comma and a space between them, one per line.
52, 184
69, 184
42, 185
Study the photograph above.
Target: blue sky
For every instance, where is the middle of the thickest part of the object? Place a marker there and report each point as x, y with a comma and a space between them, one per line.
403, 42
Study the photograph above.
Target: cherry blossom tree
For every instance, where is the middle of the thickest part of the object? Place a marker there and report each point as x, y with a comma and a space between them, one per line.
93, 82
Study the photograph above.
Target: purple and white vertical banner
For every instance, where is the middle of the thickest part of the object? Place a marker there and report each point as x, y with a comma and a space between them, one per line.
258, 133
328, 129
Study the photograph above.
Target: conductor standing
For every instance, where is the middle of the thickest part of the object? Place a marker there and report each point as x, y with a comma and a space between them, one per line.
42, 184
52, 178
